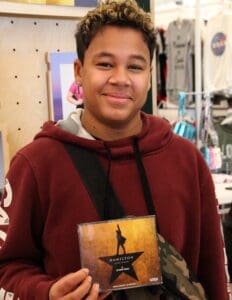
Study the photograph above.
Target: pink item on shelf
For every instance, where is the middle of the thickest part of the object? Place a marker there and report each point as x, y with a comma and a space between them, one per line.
76, 90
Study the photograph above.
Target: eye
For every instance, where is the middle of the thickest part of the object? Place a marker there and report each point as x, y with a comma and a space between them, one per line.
135, 67
104, 65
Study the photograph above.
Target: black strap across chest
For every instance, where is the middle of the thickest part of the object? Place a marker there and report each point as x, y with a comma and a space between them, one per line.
95, 180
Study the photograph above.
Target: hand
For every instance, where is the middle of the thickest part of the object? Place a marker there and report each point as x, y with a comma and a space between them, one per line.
76, 286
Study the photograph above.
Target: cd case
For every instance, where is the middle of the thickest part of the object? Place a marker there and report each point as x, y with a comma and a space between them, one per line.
121, 253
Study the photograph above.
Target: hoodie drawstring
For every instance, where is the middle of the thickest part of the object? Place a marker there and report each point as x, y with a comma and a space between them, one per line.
109, 212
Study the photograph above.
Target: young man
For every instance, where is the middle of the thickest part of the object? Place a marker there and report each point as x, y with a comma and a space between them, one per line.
45, 198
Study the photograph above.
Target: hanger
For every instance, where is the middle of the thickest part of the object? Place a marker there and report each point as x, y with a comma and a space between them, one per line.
179, 19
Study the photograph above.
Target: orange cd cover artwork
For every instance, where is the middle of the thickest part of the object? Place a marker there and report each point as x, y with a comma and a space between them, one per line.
121, 253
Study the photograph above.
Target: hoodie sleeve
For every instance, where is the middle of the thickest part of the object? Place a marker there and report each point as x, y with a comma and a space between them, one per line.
21, 225
211, 268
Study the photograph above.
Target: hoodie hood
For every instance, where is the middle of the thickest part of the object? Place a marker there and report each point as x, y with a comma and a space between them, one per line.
155, 135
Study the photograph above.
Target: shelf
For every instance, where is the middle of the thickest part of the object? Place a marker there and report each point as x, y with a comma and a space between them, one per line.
42, 10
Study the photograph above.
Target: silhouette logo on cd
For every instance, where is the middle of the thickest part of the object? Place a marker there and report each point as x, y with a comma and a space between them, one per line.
121, 263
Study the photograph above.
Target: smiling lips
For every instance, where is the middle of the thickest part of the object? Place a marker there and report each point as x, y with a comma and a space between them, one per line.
118, 97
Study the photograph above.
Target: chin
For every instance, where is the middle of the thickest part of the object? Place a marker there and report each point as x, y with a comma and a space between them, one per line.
117, 123
116, 116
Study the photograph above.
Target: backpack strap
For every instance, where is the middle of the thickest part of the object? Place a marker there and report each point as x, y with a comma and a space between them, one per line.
95, 181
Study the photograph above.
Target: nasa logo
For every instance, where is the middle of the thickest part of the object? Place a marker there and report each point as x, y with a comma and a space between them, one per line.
218, 43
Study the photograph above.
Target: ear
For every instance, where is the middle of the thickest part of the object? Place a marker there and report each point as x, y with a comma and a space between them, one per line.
78, 71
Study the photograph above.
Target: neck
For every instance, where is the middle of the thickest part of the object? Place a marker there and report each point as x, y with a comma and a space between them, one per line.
111, 132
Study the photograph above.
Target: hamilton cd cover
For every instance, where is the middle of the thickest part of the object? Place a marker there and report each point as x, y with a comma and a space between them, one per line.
121, 253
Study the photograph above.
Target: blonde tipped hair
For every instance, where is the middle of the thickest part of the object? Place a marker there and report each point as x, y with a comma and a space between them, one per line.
122, 13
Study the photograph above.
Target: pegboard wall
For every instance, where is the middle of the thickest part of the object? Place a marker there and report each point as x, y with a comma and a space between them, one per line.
24, 42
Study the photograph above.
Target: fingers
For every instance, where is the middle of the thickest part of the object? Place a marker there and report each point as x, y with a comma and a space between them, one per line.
76, 286
93, 292
81, 291
70, 283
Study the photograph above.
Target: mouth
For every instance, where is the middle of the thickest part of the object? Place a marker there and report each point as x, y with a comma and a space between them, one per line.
118, 96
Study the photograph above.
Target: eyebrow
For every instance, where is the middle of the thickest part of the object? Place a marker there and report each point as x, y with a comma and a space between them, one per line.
108, 54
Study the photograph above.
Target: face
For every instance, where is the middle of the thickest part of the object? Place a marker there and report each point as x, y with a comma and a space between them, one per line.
115, 77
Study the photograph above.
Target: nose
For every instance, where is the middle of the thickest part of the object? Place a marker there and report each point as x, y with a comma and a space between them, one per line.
120, 76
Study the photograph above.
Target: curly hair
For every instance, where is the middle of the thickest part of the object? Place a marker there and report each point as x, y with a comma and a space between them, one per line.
123, 13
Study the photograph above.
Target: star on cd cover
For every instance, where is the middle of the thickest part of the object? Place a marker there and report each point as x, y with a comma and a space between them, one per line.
121, 253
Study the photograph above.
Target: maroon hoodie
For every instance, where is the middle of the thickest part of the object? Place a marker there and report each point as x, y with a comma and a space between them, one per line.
45, 199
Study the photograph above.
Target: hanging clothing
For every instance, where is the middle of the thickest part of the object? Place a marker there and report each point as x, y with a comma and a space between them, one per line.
161, 66
76, 90
180, 58
218, 53
225, 138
